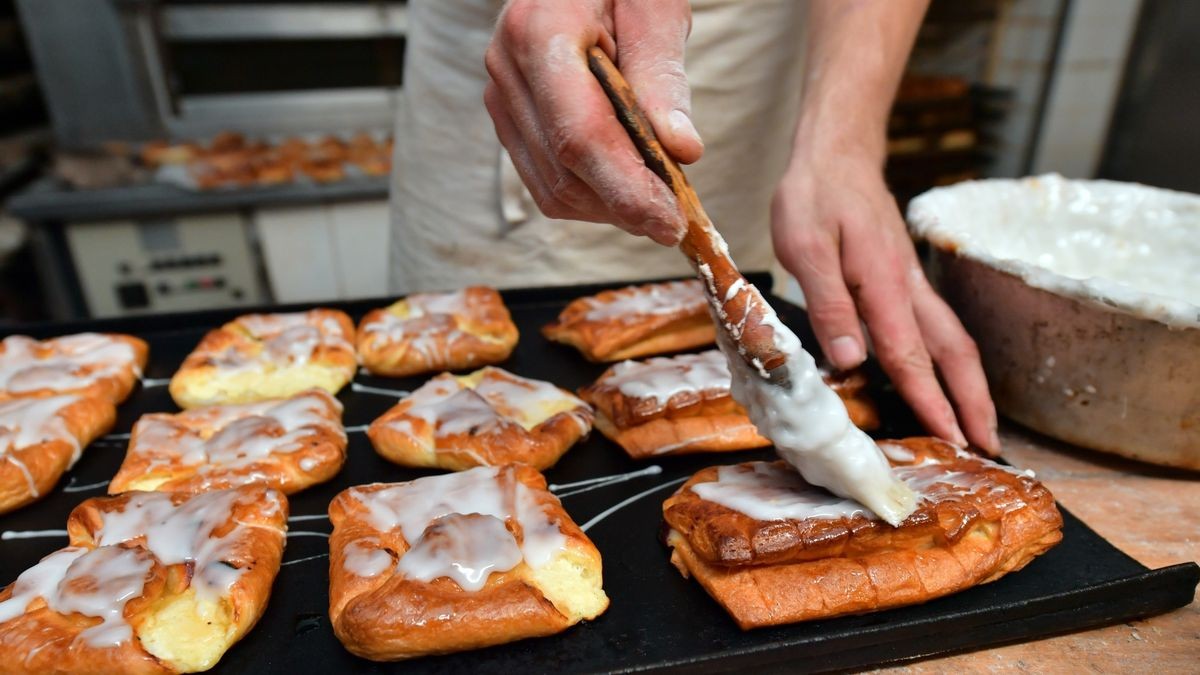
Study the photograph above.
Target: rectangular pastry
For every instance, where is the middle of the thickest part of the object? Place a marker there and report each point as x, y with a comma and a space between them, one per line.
636, 321
682, 404
103, 365
289, 444
151, 582
266, 356
432, 332
488, 418
40, 438
772, 549
455, 562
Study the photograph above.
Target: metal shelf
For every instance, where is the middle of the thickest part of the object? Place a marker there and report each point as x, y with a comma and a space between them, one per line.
223, 22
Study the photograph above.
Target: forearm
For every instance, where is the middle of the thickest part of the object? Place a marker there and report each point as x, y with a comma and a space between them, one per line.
856, 54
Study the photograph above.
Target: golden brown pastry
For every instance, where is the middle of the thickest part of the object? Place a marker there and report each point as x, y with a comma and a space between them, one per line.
457, 561
488, 418
266, 356
636, 321
771, 549
289, 444
42, 437
104, 365
152, 582
682, 404
431, 332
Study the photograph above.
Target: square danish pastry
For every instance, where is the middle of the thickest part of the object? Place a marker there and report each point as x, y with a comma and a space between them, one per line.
151, 582
488, 418
40, 438
771, 549
289, 444
266, 356
455, 562
102, 365
432, 332
634, 321
682, 404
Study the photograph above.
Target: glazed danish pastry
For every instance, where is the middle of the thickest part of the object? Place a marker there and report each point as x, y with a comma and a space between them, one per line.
635, 321
432, 332
488, 418
42, 437
289, 444
151, 582
267, 356
104, 365
682, 404
455, 562
772, 549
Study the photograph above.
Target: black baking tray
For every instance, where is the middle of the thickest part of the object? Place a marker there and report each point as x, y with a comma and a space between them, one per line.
657, 620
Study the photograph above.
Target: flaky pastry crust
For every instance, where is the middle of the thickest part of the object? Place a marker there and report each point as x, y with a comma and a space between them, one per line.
488, 418
171, 620
289, 444
265, 356
40, 438
101, 365
387, 616
977, 522
636, 321
432, 332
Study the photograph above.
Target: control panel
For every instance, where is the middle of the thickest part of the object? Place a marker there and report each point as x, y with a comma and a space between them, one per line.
165, 265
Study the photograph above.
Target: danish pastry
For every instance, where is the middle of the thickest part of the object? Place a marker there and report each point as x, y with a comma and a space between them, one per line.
90, 364
42, 437
682, 404
636, 321
457, 561
288, 444
488, 418
267, 356
151, 582
432, 332
772, 549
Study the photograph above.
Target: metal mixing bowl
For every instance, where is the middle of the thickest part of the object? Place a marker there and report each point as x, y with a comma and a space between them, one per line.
1088, 373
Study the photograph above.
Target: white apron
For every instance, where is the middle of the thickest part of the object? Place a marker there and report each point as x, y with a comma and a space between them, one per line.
460, 214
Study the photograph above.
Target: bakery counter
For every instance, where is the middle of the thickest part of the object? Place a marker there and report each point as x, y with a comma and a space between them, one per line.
1150, 513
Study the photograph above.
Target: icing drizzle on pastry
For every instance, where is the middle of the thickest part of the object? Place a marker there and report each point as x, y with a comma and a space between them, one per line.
462, 526
633, 302
288, 339
29, 421
64, 363
430, 323
659, 379
231, 436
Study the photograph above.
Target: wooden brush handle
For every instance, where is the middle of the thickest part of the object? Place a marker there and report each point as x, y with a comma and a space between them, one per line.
702, 244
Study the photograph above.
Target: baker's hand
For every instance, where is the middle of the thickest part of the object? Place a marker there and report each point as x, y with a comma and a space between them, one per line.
836, 228
558, 126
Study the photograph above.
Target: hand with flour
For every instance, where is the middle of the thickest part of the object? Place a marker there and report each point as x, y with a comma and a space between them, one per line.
558, 126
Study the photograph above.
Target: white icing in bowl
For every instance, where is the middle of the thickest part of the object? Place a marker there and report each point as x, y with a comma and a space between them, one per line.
1121, 245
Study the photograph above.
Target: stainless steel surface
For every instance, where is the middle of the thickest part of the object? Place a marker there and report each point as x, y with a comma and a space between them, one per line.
272, 113
257, 21
1085, 374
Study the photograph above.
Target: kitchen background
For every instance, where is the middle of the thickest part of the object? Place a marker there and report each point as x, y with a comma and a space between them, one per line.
166, 155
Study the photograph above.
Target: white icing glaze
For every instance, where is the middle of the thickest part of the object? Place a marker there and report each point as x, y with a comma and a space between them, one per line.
629, 304
810, 427
288, 339
659, 379
364, 560
232, 436
100, 583
489, 491
29, 421
429, 324
1121, 245
465, 548
62, 364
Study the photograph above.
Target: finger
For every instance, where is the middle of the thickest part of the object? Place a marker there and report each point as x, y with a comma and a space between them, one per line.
957, 359
578, 122
650, 51
810, 253
882, 291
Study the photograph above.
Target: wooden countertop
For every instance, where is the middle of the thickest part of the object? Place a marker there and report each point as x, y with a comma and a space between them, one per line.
1151, 513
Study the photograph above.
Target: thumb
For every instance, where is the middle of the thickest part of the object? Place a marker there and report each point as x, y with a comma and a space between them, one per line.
650, 40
